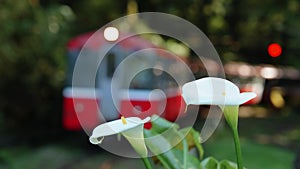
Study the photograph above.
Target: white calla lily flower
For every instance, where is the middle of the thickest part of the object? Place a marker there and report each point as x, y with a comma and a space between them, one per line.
214, 91
131, 128
225, 94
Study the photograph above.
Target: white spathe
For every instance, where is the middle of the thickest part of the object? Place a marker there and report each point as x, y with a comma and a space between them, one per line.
131, 128
115, 127
214, 91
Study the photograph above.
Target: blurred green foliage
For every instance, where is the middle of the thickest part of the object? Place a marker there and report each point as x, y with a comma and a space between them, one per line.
274, 157
34, 34
241, 30
62, 156
32, 62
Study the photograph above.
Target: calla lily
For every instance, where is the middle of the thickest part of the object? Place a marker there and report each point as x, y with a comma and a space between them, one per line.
221, 92
131, 128
214, 91
217, 91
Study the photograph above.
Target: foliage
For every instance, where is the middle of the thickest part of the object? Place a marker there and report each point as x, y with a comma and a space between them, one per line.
76, 157
179, 157
92, 14
232, 26
274, 157
32, 62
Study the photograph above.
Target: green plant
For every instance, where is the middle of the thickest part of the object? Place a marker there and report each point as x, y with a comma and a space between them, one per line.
169, 143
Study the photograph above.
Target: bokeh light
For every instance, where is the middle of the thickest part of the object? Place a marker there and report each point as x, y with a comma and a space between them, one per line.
111, 33
274, 50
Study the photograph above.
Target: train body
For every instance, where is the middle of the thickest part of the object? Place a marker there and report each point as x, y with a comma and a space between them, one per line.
86, 105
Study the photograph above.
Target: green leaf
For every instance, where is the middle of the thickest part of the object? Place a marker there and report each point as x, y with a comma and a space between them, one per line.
192, 161
158, 146
166, 129
225, 164
209, 163
170, 144
193, 139
174, 158
157, 142
160, 124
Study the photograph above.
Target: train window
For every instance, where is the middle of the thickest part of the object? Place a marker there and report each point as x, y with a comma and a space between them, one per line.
150, 79
111, 64
143, 80
72, 56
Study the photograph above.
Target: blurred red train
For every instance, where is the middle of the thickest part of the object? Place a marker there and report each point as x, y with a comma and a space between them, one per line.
87, 110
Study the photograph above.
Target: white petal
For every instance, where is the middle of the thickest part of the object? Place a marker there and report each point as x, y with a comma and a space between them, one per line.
116, 126
210, 90
95, 140
214, 91
138, 120
246, 96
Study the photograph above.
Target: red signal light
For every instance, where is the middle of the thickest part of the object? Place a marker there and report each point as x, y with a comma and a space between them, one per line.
274, 50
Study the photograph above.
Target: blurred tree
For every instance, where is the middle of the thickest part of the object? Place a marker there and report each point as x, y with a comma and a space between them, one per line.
93, 14
241, 30
32, 63
255, 24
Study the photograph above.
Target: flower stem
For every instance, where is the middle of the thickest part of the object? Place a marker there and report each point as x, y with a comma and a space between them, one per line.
147, 163
238, 148
163, 162
185, 153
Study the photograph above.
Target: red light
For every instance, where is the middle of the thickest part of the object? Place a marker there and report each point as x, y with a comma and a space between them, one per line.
274, 50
